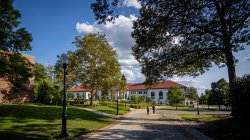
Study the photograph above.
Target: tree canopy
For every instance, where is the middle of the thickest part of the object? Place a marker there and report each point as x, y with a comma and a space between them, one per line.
13, 66
191, 93
179, 37
219, 92
95, 64
175, 96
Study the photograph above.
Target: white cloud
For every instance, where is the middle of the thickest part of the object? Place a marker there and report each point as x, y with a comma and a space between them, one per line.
84, 27
119, 37
191, 82
132, 3
128, 62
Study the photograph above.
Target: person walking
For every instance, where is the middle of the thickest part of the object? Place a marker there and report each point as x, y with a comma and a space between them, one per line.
147, 110
153, 109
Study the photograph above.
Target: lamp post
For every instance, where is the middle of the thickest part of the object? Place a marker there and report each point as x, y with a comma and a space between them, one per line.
125, 100
117, 102
64, 112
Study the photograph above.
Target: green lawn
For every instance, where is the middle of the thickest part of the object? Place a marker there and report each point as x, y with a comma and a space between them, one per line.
34, 121
203, 118
109, 110
220, 126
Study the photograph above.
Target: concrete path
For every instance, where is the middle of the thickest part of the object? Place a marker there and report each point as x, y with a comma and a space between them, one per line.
99, 112
138, 125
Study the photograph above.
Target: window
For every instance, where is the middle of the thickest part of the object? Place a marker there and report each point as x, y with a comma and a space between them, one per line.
145, 92
140, 92
152, 95
83, 95
78, 95
160, 95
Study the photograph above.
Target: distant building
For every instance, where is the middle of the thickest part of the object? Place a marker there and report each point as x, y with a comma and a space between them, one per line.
158, 93
6, 96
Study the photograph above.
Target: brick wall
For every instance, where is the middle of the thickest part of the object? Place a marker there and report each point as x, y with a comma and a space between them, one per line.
7, 96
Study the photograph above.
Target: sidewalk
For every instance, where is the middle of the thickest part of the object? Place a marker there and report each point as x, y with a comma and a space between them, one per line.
138, 125
100, 113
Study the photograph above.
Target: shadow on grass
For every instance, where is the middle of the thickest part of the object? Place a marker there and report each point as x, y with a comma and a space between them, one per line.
31, 121
229, 129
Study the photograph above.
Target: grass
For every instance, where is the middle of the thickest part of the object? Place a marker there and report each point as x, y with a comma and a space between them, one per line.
36, 121
203, 118
219, 126
109, 110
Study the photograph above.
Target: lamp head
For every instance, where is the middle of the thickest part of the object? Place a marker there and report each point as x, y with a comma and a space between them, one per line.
64, 58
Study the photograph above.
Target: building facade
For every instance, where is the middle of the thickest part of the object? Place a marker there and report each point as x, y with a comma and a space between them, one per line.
7, 96
158, 92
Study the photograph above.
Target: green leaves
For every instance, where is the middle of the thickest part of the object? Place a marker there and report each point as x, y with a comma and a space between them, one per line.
175, 96
13, 66
191, 93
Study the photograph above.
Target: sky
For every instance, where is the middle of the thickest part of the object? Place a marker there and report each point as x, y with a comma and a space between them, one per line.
54, 24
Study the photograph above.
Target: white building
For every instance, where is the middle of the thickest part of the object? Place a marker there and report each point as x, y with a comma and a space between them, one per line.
158, 92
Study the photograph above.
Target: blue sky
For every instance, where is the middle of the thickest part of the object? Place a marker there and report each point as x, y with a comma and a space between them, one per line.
55, 23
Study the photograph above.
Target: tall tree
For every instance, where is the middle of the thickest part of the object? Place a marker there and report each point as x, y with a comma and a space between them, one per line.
13, 66
40, 72
175, 96
191, 93
98, 65
71, 68
185, 37
219, 92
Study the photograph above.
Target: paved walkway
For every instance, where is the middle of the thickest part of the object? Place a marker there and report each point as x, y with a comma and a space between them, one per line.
138, 125
99, 112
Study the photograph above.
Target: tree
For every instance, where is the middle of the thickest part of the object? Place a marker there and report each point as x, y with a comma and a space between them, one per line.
40, 72
97, 64
191, 93
175, 96
203, 99
219, 91
148, 99
46, 90
207, 97
180, 37
71, 70
240, 105
13, 66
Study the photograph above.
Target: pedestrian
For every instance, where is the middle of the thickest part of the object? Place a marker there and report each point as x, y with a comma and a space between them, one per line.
153, 109
147, 110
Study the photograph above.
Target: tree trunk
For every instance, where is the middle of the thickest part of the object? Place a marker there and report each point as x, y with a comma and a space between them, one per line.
91, 98
230, 66
219, 107
231, 74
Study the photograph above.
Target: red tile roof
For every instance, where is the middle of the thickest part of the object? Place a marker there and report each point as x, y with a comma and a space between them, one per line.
140, 86
136, 86
79, 88
160, 85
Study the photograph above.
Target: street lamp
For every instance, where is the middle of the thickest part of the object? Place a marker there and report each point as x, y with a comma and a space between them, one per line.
64, 134
124, 80
117, 102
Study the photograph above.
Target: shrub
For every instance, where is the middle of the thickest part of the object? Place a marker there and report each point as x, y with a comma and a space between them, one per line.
114, 105
46, 92
240, 98
141, 105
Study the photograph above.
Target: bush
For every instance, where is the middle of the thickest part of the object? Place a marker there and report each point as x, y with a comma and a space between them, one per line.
46, 92
240, 98
141, 105
121, 106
